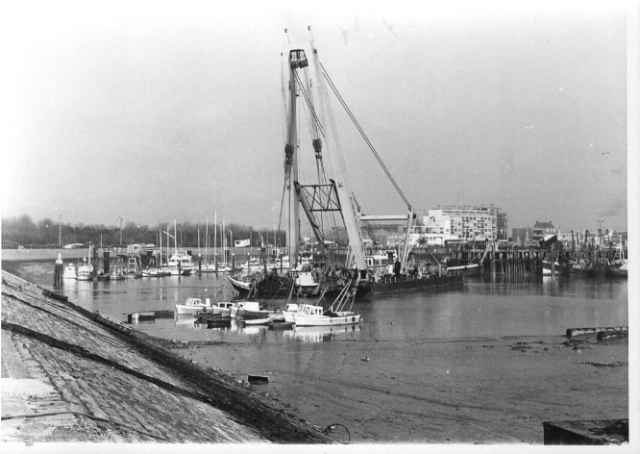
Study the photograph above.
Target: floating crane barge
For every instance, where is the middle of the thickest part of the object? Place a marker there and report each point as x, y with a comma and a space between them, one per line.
330, 198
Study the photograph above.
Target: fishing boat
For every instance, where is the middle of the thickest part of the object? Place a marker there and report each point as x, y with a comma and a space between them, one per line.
339, 312
310, 315
180, 264
70, 271
306, 283
619, 270
618, 265
193, 306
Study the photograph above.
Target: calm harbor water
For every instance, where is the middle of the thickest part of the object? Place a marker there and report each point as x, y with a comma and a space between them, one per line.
444, 362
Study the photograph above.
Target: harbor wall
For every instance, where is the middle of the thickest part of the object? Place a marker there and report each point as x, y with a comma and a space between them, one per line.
57, 334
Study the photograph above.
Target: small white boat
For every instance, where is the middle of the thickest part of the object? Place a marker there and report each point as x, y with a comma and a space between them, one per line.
156, 272
85, 272
193, 306
306, 282
70, 272
180, 264
310, 315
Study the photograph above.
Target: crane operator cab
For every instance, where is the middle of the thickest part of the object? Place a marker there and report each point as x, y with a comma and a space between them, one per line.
297, 59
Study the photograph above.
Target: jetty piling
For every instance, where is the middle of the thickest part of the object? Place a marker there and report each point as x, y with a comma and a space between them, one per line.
57, 272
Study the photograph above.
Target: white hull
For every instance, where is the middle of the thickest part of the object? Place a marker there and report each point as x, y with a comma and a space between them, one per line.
85, 273
239, 284
258, 321
182, 309
302, 319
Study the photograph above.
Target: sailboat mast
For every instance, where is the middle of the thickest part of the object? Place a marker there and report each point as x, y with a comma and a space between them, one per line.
175, 236
215, 238
206, 239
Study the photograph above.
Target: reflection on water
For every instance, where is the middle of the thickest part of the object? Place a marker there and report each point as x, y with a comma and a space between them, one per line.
322, 334
479, 309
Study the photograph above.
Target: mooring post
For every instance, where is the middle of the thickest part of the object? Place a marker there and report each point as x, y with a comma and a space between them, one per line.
57, 272
105, 261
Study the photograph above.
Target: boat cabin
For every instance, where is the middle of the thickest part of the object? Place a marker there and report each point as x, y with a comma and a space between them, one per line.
309, 309
248, 305
196, 302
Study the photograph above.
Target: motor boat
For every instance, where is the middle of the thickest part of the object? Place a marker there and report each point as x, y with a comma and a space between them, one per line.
193, 306
310, 315
180, 264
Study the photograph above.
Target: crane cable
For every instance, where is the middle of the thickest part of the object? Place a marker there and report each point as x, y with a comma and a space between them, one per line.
364, 136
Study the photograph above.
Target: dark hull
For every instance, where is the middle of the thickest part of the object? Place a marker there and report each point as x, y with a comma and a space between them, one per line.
394, 286
281, 288
616, 273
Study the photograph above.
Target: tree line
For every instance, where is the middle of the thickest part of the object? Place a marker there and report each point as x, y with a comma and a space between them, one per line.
47, 233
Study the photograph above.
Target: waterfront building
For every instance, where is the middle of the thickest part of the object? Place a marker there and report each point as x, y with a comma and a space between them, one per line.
521, 236
467, 222
541, 229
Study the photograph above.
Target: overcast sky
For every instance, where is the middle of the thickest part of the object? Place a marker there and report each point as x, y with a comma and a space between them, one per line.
155, 113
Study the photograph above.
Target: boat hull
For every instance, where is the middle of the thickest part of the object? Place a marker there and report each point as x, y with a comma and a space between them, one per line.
182, 309
302, 319
402, 285
241, 286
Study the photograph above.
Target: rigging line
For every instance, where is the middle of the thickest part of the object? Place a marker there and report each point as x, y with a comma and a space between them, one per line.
305, 95
284, 188
283, 93
364, 136
309, 90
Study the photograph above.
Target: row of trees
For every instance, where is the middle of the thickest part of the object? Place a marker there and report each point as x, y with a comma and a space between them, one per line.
48, 233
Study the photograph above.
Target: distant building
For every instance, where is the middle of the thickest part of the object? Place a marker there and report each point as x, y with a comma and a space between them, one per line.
542, 229
466, 222
501, 224
521, 236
